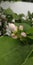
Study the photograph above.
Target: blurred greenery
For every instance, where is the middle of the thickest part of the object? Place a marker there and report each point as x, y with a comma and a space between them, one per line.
30, 60
18, 0
10, 0
13, 52
26, 22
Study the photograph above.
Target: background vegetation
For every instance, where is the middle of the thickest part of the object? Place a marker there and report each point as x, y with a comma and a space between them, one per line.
13, 51
18, 0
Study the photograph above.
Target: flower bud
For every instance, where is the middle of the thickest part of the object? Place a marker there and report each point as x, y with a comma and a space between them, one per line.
12, 27
13, 36
23, 34
20, 27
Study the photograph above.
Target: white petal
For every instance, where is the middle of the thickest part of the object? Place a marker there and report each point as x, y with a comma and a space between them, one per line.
13, 20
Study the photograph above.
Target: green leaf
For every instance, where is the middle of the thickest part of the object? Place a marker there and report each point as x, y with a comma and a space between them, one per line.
31, 37
30, 60
15, 16
26, 26
13, 52
30, 31
8, 11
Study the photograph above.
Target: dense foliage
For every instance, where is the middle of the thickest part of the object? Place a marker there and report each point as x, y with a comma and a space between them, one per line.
16, 41
22, 25
18, 0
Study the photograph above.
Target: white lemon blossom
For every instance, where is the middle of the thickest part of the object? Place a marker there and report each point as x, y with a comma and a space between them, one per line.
24, 18
23, 34
8, 32
13, 20
32, 19
12, 27
20, 27
14, 36
3, 16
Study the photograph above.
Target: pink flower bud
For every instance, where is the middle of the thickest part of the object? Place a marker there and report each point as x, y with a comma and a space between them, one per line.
12, 27
23, 34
